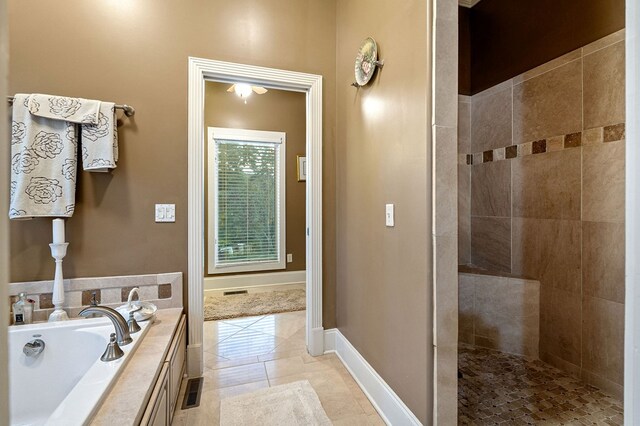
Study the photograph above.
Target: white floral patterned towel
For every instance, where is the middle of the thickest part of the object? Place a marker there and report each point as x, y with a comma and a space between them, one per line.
43, 164
98, 126
100, 141
74, 110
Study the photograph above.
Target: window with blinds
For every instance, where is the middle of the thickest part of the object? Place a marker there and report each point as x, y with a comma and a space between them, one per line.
248, 200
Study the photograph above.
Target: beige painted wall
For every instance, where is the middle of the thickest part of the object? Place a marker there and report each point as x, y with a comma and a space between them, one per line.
278, 111
383, 274
4, 225
136, 53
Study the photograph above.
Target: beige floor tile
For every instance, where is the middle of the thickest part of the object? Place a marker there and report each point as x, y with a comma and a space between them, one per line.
284, 367
216, 362
247, 343
208, 413
243, 321
283, 354
233, 376
357, 420
246, 354
294, 365
376, 420
217, 331
340, 405
281, 325
296, 341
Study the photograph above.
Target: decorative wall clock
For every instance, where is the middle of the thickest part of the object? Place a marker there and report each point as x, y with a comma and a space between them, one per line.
366, 62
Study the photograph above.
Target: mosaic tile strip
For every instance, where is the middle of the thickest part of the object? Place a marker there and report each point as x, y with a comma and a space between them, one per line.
587, 137
499, 388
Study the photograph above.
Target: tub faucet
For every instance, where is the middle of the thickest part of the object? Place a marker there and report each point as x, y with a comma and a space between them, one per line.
122, 329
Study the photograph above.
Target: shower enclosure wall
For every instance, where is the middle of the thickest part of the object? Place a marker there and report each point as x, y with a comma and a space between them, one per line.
541, 197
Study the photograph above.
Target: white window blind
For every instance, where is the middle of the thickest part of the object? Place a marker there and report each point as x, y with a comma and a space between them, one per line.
249, 207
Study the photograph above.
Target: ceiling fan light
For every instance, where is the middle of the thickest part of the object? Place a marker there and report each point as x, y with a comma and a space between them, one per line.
243, 90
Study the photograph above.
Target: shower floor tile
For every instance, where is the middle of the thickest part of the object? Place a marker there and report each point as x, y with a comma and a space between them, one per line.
499, 388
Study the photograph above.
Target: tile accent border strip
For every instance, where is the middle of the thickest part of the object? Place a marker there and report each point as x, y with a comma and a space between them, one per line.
386, 402
163, 290
594, 136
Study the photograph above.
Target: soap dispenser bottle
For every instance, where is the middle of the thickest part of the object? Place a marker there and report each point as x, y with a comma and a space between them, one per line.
18, 309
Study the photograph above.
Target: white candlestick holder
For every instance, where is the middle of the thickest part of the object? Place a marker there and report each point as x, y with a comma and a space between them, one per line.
58, 252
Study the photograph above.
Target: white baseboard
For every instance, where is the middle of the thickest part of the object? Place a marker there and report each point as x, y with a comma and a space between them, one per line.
386, 402
229, 282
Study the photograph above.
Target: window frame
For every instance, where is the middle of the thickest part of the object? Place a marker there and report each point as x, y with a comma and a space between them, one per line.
254, 136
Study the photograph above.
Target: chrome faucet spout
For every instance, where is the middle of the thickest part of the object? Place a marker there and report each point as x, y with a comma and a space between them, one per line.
119, 323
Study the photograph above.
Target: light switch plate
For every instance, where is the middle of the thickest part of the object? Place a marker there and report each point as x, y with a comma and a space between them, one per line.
389, 218
165, 212
289, 257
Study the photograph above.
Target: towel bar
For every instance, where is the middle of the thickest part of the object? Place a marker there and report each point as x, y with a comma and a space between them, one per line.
129, 111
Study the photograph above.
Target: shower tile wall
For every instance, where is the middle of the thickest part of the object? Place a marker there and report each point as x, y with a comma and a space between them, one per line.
544, 199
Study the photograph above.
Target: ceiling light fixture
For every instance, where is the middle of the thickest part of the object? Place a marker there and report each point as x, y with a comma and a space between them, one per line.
244, 90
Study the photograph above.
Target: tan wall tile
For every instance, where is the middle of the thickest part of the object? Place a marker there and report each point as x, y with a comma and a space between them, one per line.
491, 243
507, 313
445, 70
464, 214
549, 251
446, 178
603, 182
547, 185
549, 104
464, 127
552, 64
603, 338
604, 42
466, 290
560, 324
491, 189
491, 120
603, 260
446, 366
604, 74
446, 286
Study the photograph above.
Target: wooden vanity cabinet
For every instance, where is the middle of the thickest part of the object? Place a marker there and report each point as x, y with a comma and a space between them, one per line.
164, 397
157, 413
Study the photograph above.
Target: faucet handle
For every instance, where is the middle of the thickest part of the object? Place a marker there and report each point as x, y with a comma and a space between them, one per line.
113, 351
134, 327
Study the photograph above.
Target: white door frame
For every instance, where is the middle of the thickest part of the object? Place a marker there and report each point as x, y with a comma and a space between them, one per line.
632, 220
201, 70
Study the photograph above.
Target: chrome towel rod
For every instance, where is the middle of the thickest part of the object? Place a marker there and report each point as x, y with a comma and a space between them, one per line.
129, 111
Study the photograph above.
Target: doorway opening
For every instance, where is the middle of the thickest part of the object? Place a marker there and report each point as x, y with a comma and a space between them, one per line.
202, 71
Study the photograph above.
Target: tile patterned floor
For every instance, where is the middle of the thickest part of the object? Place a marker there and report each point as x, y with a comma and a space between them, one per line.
246, 354
499, 388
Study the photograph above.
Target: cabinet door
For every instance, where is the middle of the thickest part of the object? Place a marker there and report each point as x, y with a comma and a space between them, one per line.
176, 360
157, 413
161, 415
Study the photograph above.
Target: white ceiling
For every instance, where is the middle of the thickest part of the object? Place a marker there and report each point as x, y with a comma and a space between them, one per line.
468, 3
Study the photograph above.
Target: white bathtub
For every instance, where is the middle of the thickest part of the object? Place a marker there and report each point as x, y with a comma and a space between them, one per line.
66, 383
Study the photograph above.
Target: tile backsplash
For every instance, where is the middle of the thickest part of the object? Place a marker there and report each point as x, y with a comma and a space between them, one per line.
163, 290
